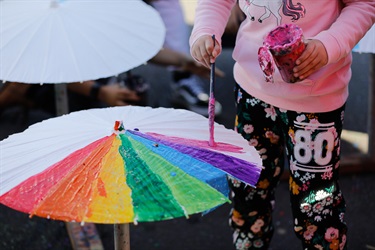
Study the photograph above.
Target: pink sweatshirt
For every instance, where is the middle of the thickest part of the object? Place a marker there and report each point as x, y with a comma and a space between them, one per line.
338, 24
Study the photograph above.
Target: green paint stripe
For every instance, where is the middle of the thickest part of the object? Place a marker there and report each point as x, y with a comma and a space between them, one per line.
152, 199
191, 193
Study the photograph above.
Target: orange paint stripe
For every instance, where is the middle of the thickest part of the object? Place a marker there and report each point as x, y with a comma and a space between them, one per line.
68, 200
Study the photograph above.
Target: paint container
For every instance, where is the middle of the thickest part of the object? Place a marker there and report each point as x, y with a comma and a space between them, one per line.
285, 43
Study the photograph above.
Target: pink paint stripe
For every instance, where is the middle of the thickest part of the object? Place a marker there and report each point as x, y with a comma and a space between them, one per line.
219, 146
29, 193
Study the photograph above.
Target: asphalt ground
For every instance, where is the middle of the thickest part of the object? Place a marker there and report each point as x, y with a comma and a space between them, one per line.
209, 232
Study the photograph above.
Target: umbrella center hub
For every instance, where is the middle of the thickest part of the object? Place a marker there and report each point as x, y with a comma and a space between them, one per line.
119, 127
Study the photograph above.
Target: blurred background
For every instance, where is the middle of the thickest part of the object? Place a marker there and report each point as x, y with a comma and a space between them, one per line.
18, 231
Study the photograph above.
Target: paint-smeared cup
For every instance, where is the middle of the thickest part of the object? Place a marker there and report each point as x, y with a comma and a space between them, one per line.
285, 44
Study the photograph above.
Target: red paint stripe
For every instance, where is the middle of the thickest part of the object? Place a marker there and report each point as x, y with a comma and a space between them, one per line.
101, 188
34, 190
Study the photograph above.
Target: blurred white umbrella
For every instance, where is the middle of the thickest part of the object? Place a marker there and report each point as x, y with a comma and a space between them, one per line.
54, 41
367, 43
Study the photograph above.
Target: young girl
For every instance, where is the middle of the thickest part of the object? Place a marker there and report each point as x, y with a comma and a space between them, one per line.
301, 120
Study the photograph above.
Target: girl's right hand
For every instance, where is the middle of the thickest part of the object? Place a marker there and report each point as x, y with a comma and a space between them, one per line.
205, 51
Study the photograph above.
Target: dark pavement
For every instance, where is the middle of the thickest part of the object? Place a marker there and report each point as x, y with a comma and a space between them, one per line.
210, 232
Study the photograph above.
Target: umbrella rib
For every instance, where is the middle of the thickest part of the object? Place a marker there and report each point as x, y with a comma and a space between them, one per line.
141, 22
43, 71
70, 48
97, 51
109, 65
132, 54
21, 51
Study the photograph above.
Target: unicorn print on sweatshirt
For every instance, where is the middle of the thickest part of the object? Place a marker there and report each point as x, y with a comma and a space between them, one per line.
272, 8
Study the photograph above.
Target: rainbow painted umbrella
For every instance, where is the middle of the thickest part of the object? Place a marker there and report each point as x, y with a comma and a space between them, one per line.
121, 165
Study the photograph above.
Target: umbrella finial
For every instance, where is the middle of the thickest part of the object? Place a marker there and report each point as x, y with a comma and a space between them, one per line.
119, 127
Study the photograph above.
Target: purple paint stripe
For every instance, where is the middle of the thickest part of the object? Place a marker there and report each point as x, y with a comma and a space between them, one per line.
238, 168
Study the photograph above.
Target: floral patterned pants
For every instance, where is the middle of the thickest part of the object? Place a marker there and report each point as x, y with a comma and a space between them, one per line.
311, 144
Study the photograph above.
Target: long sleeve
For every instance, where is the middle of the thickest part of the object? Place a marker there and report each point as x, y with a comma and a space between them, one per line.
211, 18
355, 20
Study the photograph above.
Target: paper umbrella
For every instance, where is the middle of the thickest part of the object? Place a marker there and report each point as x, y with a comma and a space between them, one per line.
121, 165
63, 41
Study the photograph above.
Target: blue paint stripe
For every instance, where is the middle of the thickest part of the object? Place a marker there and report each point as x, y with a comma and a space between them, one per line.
203, 171
236, 167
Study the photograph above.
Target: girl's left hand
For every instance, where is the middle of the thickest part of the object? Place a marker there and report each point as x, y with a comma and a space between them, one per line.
312, 59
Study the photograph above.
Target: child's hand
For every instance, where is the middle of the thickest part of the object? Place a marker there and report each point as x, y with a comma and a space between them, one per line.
204, 51
312, 59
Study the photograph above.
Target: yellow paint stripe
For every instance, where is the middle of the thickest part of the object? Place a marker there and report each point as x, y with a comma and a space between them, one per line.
111, 200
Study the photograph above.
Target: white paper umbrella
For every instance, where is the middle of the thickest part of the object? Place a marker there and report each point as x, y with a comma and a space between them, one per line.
50, 41
122, 164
